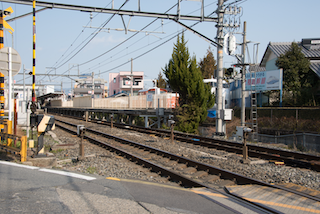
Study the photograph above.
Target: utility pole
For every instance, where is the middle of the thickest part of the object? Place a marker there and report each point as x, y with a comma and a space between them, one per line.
219, 38
92, 84
131, 77
243, 76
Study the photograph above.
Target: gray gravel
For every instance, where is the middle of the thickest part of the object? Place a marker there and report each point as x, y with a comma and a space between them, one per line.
105, 163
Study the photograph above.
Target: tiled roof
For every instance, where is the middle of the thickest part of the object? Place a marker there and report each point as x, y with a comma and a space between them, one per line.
311, 52
282, 47
315, 66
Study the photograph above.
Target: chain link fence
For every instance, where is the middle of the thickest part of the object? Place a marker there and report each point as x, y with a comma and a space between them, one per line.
301, 141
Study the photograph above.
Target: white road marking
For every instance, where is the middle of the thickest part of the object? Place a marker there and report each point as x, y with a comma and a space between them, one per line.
18, 165
70, 174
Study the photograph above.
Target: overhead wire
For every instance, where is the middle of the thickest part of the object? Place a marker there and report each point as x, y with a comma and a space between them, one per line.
94, 35
181, 31
137, 41
99, 65
125, 40
122, 41
56, 63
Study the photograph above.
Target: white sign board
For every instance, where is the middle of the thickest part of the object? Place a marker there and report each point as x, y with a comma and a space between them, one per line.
149, 97
228, 114
4, 61
264, 81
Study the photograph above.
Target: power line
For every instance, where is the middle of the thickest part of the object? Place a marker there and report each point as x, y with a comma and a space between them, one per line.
139, 39
95, 34
126, 39
135, 42
121, 42
182, 31
74, 42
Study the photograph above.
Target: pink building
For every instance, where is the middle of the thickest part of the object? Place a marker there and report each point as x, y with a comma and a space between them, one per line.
121, 82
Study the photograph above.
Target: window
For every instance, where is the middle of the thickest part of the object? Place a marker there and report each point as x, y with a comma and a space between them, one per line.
114, 91
115, 80
136, 81
126, 81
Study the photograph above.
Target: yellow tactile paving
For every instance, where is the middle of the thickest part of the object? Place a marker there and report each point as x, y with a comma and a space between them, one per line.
284, 205
276, 199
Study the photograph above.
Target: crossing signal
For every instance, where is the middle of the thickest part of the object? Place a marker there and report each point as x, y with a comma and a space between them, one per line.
7, 12
229, 71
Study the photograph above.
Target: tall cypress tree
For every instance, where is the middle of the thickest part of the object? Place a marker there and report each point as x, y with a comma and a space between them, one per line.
184, 76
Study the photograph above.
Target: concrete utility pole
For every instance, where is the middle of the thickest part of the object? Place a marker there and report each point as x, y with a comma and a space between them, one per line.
243, 77
131, 81
219, 38
92, 92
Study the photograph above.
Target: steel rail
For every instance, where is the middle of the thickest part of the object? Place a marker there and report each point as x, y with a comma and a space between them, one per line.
174, 177
224, 174
288, 157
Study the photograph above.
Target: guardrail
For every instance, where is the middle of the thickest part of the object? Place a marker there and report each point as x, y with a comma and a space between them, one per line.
8, 138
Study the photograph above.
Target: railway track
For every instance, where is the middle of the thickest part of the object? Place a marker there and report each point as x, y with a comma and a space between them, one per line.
178, 169
290, 158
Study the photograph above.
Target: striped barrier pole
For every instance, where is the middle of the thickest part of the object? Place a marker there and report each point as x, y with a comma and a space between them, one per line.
1, 75
33, 105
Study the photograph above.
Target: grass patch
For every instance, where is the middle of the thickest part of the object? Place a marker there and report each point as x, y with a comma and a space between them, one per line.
57, 151
91, 170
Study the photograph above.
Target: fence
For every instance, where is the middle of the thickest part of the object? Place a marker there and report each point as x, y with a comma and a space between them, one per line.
6, 142
302, 141
311, 113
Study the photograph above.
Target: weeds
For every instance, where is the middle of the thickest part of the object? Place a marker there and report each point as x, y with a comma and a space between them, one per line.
91, 170
57, 151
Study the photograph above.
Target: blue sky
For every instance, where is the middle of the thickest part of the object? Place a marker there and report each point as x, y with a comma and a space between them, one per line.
59, 32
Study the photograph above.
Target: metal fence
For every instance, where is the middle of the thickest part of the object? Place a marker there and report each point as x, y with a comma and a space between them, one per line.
302, 141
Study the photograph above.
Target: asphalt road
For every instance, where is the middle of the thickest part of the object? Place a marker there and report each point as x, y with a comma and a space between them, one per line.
39, 190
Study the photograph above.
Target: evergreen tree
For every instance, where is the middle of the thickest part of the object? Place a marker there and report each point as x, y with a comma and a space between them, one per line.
298, 80
184, 76
208, 64
161, 82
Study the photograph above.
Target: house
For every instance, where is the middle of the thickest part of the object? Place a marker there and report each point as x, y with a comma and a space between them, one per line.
85, 87
121, 82
310, 48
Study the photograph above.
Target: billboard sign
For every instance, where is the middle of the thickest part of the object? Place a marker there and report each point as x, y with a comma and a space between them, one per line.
264, 81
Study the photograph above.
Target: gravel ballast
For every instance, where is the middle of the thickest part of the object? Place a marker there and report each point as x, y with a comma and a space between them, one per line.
102, 162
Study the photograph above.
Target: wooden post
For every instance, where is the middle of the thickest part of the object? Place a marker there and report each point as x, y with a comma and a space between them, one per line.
172, 135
